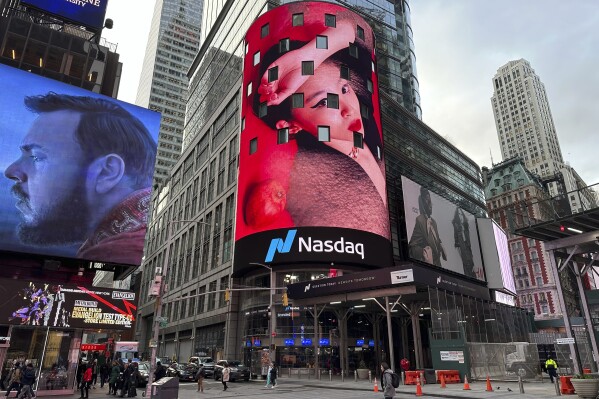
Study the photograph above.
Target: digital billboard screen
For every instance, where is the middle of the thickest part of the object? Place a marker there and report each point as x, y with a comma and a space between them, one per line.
30, 303
88, 13
441, 233
311, 164
77, 171
496, 256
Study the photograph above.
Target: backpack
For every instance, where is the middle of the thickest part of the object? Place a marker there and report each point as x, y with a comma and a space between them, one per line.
395, 380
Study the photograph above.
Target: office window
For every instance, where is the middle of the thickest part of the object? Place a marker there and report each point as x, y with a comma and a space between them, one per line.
369, 85
265, 30
253, 145
353, 50
332, 100
307, 67
257, 58
358, 140
360, 32
283, 136
330, 20
344, 72
322, 42
284, 45
249, 89
298, 19
273, 74
297, 100
262, 110
364, 111
324, 133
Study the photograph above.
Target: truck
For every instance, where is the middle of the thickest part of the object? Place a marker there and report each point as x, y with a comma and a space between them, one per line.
126, 350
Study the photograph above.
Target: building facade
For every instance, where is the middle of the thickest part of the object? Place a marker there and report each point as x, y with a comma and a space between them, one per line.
173, 42
191, 233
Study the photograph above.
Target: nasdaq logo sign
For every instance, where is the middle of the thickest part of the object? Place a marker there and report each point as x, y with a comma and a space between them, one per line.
279, 245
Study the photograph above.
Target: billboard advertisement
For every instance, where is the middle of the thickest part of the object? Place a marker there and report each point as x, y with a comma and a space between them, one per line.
77, 171
440, 233
495, 251
311, 164
88, 13
28, 303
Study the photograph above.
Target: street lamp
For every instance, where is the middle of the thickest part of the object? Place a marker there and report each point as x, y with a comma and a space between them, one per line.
272, 310
160, 283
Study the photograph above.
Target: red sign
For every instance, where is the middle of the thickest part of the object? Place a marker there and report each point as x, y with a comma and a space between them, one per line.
274, 334
93, 347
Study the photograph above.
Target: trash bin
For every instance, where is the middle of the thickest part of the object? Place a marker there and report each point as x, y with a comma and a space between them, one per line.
166, 388
430, 376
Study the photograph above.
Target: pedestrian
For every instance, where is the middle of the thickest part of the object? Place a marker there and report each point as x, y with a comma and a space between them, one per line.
126, 377
94, 373
387, 381
104, 371
200, 375
551, 367
14, 379
160, 371
27, 382
268, 375
226, 376
134, 377
81, 367
86, 382
273, 375
114, 375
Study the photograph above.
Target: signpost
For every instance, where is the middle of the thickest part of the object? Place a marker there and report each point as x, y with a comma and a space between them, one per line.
564, 341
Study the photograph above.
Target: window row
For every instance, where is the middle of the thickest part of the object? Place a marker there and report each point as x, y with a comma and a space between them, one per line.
324, 135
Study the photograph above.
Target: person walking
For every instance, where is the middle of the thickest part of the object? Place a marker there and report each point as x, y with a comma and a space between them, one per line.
86, 382
104, 371
134, 377
268, 375
387, 381
114, 376
200, 375
226, 376
94, 373
81, 367
14, 379
160, 372
551, 367
273, 375
27, 382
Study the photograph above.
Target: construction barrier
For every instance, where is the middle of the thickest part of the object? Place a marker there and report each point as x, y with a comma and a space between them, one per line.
450, 376
566, 385
586, 371
411, 377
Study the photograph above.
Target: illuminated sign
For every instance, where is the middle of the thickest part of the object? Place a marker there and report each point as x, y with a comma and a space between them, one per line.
77, 171
324, 342
311, 184
441, 233
257, 342
289, 342
93, 347
306, 341
371, 343
64, 305
88, 13
359, 342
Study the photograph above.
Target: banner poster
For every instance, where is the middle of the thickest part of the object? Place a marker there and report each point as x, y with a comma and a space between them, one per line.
28, 303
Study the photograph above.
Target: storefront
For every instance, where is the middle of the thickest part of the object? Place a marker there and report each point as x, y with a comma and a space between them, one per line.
44, 325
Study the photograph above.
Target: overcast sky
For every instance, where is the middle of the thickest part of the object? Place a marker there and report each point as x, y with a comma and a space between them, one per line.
459, 47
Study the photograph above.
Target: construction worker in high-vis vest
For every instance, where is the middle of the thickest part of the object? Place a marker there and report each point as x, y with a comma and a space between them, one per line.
551, 367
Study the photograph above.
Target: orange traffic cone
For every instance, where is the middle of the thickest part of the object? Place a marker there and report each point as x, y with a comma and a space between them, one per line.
443, 381
466, 384
418, 387
489, 387
376, 386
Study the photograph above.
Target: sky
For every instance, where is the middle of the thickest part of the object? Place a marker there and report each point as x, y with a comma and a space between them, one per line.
460, 45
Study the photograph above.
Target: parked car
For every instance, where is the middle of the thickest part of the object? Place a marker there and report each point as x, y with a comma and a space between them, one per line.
208, 363
144, 371
239, 371
185, 371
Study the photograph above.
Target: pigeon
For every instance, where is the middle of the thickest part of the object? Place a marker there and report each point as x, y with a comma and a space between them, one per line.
509, 390
498, 388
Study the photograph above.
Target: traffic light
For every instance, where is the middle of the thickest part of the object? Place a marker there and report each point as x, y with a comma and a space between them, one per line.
227, 295
285, 299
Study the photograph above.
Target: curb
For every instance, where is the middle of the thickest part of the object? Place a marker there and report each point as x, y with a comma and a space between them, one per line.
435, 395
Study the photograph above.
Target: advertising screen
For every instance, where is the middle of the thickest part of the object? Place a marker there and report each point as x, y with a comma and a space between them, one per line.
29, 303
311, 172
88, 13
496, 256
77, 170
440, 233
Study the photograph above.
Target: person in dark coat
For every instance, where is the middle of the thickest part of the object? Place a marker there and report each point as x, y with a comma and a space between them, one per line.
14, 380
114, 376
27, 382
160, 372
104, 371
273, 375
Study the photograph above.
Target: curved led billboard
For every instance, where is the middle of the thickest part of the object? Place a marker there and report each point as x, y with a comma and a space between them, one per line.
440, 233
77, 170
311, 173
88, 13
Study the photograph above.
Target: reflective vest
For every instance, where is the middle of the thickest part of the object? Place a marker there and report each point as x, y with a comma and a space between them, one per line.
550, 364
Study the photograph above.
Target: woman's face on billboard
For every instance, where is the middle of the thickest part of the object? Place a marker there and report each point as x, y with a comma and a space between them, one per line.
343, 121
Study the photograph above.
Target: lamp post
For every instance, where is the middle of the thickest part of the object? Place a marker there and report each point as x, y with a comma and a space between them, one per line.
159, 280
271, 306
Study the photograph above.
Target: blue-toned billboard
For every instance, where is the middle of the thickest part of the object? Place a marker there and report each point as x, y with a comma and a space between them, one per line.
77, 170
88, 13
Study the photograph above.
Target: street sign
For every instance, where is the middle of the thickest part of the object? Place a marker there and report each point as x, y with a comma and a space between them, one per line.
161, 319
153, 343
162, 324
563, 341
274, 334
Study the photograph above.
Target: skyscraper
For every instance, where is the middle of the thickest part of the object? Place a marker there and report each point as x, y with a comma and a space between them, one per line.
173, 42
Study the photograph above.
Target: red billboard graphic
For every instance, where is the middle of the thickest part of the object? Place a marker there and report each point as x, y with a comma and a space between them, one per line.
65, 305
93, 347
311, 153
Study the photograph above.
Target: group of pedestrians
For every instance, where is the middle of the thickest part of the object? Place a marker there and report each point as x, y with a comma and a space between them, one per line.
22, 380
123, 377
271, 376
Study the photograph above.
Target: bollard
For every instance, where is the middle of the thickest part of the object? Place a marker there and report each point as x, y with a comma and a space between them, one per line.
557, 390
403, 378
309, 374
289, 372
330, 375
520, 384
342, 376
299, 374
319, 374
369, 376
355, 376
